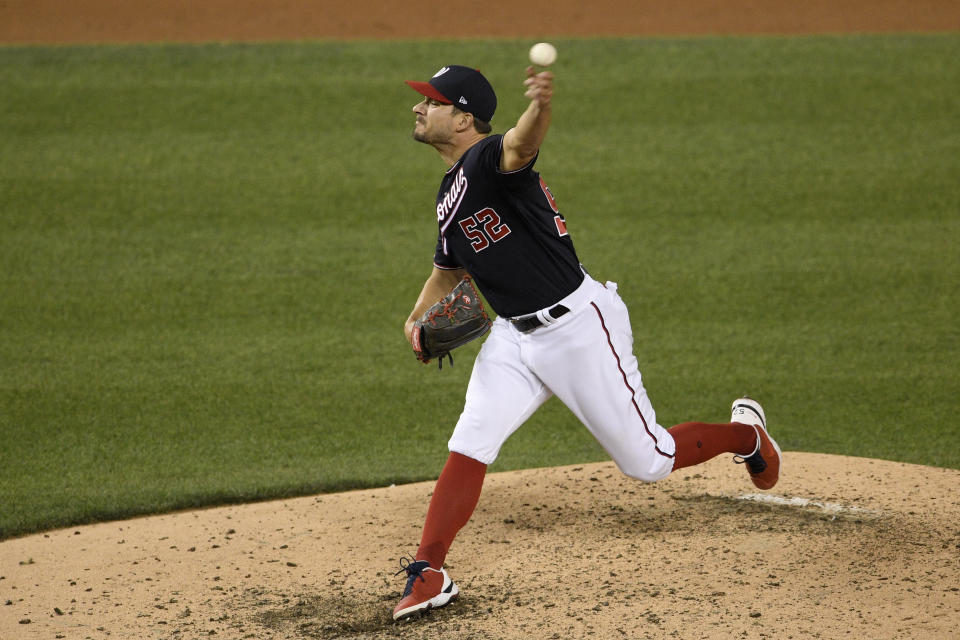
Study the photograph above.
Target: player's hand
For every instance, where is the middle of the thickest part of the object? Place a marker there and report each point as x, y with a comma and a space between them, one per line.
539, 86
521, 144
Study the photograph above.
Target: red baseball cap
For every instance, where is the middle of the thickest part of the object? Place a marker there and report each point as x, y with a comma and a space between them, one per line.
461, 86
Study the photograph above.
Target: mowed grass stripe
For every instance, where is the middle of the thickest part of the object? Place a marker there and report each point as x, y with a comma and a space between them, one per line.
207, 253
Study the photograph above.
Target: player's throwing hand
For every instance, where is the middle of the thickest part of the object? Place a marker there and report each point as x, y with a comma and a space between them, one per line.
539, 86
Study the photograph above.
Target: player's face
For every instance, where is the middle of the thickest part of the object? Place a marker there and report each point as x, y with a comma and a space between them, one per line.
434, 122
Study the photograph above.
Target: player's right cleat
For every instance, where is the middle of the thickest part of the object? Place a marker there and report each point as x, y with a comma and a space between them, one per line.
764, 463
427, 588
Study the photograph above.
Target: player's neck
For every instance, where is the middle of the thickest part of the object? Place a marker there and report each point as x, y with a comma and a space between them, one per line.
454, 150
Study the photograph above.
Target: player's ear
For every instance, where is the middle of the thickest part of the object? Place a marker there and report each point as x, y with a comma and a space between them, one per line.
464, 121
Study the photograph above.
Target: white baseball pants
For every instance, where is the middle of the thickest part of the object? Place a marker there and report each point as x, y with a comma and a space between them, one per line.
586, 359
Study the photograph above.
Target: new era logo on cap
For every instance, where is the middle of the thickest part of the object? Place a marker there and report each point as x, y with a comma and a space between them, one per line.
463, 85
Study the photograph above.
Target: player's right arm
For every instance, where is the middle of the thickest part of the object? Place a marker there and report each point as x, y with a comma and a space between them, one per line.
522, 142
440, 283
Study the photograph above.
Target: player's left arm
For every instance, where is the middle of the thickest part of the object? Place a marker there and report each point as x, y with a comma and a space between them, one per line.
522, 142
439, 284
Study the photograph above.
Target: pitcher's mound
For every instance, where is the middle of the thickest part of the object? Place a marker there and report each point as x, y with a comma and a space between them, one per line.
843, 547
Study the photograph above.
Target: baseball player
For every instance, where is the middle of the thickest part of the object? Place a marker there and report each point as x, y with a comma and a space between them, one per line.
559, 331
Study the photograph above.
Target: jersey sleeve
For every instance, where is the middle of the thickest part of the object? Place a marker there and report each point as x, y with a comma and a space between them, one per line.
490, 161
517, 176
442, 260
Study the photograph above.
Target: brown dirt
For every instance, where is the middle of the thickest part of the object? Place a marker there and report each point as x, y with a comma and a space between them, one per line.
853, 548
53, 21
856, 548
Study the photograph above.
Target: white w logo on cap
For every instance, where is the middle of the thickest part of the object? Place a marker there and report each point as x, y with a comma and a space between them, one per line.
441, 72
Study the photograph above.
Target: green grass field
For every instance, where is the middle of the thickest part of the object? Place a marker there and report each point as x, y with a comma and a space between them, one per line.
207, 254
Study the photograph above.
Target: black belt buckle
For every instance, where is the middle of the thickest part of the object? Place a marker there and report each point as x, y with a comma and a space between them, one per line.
528, 324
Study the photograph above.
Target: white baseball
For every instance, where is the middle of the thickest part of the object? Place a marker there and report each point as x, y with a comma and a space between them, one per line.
543, 54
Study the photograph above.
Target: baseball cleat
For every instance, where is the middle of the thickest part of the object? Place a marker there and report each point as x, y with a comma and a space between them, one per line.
764, 463
427, 588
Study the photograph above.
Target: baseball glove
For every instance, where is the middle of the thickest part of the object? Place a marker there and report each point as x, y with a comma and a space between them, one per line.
450, 323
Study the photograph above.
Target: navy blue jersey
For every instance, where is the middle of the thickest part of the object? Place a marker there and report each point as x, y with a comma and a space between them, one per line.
506, 231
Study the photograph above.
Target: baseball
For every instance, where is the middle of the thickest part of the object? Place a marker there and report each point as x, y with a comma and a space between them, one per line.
543, 54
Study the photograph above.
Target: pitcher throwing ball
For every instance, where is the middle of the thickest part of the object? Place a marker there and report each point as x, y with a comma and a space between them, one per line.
559, 331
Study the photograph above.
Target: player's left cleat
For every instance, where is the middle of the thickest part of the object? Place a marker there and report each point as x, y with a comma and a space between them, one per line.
427, 588
764, 463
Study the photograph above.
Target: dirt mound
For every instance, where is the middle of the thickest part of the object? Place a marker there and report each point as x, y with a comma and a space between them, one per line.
844, 547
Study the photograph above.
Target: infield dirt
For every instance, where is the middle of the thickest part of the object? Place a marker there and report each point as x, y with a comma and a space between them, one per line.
52, 21
842, 548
